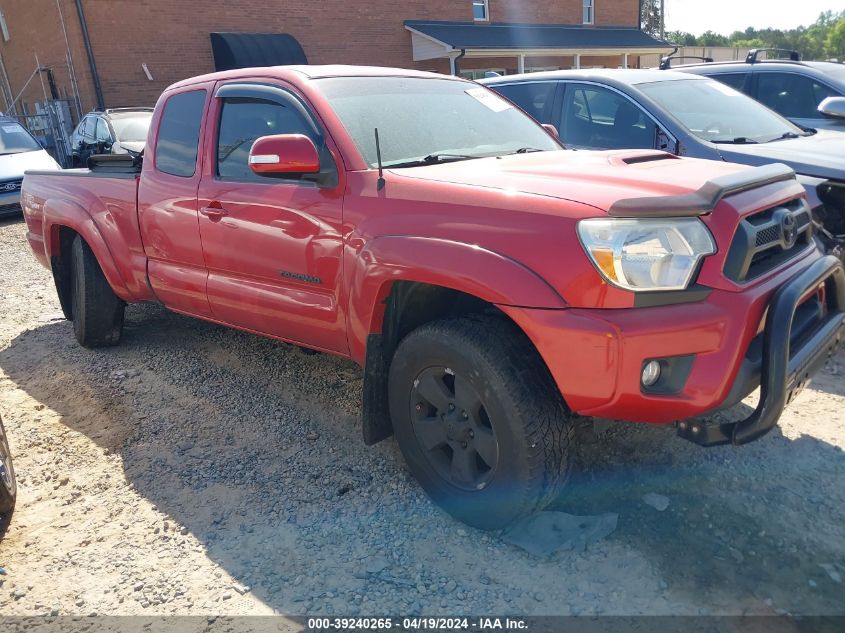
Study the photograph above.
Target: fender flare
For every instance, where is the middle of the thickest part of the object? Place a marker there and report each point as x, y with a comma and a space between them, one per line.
59, 213
467, 268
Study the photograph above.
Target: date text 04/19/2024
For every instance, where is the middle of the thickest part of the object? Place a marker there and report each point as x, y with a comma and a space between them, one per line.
417, 624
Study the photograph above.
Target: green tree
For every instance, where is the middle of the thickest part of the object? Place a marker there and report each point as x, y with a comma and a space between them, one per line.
834, 45
650, 17
681, 38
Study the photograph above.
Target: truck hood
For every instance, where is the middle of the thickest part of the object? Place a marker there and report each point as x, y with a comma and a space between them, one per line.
14, 165
821, 155
597, 179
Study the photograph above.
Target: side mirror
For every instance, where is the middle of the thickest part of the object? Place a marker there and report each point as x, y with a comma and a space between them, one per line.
833, 107
284, 154
551, 129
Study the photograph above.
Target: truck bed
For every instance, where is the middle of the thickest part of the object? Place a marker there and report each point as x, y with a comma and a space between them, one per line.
99, 203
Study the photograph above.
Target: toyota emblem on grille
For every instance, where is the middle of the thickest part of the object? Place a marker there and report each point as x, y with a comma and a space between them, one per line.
789, 228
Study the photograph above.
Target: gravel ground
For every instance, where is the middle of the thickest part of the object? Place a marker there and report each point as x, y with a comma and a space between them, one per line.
199, 470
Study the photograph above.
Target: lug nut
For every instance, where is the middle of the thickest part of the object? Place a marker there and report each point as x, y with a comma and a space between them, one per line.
463, 444
451, 407
471, 433
418, 406
465, 415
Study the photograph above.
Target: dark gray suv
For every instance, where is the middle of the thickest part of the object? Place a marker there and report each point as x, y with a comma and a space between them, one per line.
811, 94
688, 116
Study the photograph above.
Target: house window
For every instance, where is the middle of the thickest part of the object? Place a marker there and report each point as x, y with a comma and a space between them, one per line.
480, 10
588, 11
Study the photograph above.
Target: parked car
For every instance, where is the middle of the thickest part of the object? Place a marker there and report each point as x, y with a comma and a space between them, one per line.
8, 485
113, 131
810, 94
688, 116
491, 284
19, 151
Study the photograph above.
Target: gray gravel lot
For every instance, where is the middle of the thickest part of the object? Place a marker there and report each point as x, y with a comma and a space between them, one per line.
200, 470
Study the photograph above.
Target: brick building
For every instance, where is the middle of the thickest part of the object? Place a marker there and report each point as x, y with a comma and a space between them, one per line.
124, 52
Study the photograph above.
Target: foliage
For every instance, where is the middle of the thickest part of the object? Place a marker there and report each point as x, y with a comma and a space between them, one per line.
650, 16
824, 39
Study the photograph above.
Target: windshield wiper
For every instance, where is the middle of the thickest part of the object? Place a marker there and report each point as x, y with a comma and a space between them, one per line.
432, 159
786, 135
525, 150
739, 140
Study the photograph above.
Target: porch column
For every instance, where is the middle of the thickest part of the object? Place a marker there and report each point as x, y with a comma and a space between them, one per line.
520, 64
578, 61
625, 60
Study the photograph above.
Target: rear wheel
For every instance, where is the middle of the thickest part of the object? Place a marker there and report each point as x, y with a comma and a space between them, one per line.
8, 486
97, 311
479, 420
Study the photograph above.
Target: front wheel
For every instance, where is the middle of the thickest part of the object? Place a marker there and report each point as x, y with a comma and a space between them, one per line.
479, 420
8, 485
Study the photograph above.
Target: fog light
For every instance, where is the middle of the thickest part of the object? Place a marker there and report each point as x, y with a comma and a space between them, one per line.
651, 373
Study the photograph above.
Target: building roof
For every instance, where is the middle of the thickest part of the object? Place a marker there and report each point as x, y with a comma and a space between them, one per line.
505, 36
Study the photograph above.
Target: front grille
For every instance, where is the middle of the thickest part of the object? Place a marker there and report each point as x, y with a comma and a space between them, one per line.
7, 186
8, 209
768, 239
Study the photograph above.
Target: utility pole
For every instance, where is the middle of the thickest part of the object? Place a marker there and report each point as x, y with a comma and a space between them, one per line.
662, 19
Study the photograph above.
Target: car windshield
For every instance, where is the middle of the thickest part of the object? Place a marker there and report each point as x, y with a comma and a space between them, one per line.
14, 139
132, 128
422, 121
715, 112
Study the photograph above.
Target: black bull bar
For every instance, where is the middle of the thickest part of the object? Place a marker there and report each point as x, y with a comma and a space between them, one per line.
785, 371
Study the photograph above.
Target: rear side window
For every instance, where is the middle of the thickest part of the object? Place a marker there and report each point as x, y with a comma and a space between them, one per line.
734, 80
535, 97
179, 134
791, 95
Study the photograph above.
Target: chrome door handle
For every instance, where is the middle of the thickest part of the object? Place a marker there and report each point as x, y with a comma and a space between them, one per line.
215, 214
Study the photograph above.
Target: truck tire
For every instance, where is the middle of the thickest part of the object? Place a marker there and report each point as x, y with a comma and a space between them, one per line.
479, 420
8, 486
97, 311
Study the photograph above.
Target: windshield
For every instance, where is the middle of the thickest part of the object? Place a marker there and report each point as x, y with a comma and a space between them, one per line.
14, 139
132, 128
715, 112
430, 120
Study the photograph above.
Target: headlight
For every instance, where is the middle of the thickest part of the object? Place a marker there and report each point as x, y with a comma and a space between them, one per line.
647, 254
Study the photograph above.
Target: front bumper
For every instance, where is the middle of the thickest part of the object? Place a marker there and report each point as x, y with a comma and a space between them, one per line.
785, 370
596, 356
10, 203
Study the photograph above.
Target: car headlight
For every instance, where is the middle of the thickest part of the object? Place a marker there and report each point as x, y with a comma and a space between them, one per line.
646, 254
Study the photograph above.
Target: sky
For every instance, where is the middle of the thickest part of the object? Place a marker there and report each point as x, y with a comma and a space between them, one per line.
727, 16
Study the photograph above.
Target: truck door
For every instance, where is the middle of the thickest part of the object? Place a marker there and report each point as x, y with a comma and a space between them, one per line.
272, 245
167, 202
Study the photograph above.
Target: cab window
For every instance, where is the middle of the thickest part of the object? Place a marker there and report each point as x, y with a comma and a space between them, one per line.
242, 121
177, 143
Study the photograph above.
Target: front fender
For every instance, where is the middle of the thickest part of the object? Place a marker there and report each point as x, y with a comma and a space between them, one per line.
467, 268
59, 213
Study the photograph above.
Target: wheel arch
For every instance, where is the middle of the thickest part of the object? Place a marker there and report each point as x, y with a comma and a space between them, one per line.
468, 269
394, 296
64, 220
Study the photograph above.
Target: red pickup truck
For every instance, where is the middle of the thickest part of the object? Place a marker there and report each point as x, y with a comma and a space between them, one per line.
493, 285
